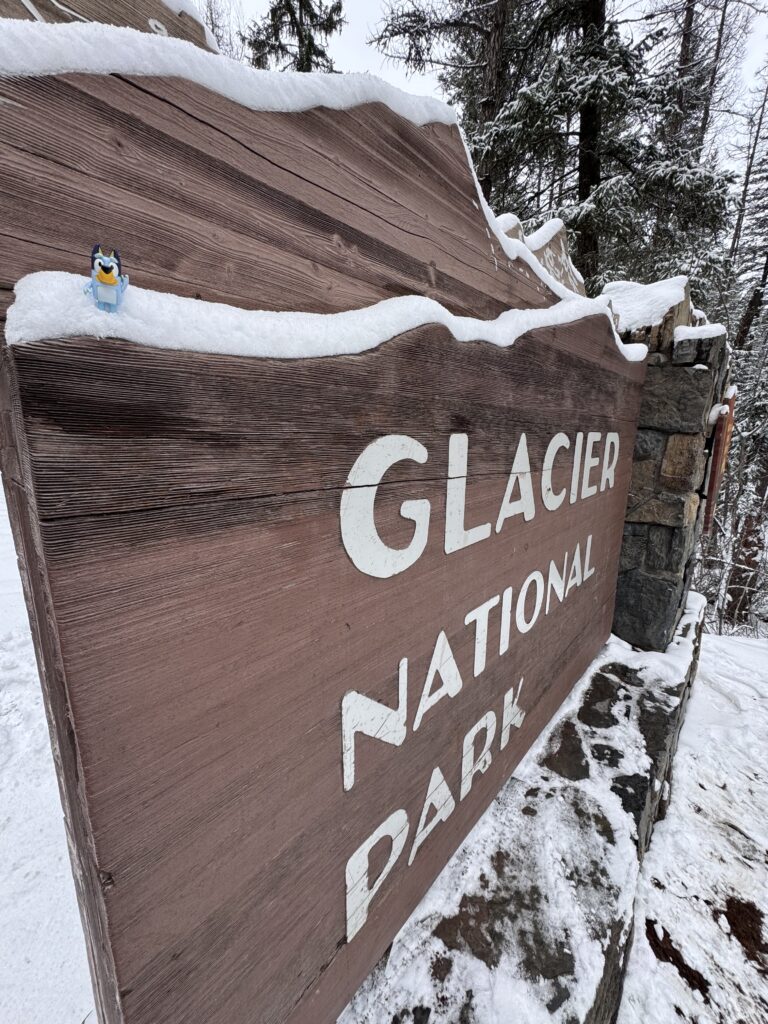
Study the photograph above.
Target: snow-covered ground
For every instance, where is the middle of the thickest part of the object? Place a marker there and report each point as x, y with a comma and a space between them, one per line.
700, 950
43, 968
703, 883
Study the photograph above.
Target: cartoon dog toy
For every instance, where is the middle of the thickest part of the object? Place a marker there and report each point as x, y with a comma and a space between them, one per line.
107, 283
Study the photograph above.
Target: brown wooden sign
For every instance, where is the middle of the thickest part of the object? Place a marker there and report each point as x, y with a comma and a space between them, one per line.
163, 19
297, 620
719, 458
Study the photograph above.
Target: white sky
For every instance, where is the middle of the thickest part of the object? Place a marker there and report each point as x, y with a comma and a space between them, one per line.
350, 52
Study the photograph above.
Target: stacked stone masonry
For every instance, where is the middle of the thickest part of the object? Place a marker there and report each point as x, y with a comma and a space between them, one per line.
687, 376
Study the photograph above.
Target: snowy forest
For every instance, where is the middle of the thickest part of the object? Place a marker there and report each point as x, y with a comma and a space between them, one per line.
630, 122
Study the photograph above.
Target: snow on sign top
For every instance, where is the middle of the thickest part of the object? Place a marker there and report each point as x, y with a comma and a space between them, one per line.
188, 8
644, 305
30, 49
171, 321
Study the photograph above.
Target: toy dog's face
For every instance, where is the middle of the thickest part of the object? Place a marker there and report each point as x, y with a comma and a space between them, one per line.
106, 268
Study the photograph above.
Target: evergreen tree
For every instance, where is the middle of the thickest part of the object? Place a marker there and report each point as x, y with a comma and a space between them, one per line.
583, 121
293, 35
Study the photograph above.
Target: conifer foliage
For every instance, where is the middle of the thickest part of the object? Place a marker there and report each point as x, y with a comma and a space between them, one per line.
571, 110
293, 35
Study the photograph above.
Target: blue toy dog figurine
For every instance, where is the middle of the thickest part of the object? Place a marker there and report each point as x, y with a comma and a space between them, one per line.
107, 283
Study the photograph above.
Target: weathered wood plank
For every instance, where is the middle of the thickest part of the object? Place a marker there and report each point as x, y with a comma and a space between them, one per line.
293, 230
145, 15
207, 440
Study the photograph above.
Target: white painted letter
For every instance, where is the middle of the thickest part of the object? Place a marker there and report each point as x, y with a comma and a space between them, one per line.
513, 715
520, 474
506, 620
456, 537
359, 893
556, 582
575, 579
444, 663
479, 616
576, 468
441, 799
471, 765
358, 528
610, 458
590, 461
588, 569
363, 714
524, 625
551, 500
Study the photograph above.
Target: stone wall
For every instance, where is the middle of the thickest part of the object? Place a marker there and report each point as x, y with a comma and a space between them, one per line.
687, 374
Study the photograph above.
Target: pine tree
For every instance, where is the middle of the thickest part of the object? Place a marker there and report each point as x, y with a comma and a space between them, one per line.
293, 35
583, 122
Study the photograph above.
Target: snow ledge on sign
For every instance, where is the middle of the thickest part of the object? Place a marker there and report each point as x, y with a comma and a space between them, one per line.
171, 321
699, 333
644, 305
543, 235
33, 49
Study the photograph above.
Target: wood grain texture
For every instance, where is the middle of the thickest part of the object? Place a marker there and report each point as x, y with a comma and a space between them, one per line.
196, 617
131, 13
209, 622
207, 199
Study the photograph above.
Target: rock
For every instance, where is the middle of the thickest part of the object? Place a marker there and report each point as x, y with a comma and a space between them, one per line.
597, 708
649, 444
633, 546
685, 350
647, 609
711, 350
676, 399
567, 759
669, 548
649, 506
684, 462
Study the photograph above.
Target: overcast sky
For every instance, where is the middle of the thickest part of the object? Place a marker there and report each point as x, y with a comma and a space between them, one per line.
349, 50
351, 53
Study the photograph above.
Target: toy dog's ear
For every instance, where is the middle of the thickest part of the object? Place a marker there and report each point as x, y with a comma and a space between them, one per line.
95, 251
116, 257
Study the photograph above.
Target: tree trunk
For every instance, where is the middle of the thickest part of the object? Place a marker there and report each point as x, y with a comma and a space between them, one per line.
590, 132
743, 585
753, 307
493, 87
684, 64
753, 148
712, 78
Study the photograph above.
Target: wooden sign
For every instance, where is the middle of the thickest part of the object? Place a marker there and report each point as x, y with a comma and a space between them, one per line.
176, 18
719, 458
297, 620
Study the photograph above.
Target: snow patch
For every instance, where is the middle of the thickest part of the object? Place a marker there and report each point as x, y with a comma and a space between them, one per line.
508, 222
704, 885
29, 49
171, 321
543, 235
644, 305
715, 413
699, 333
